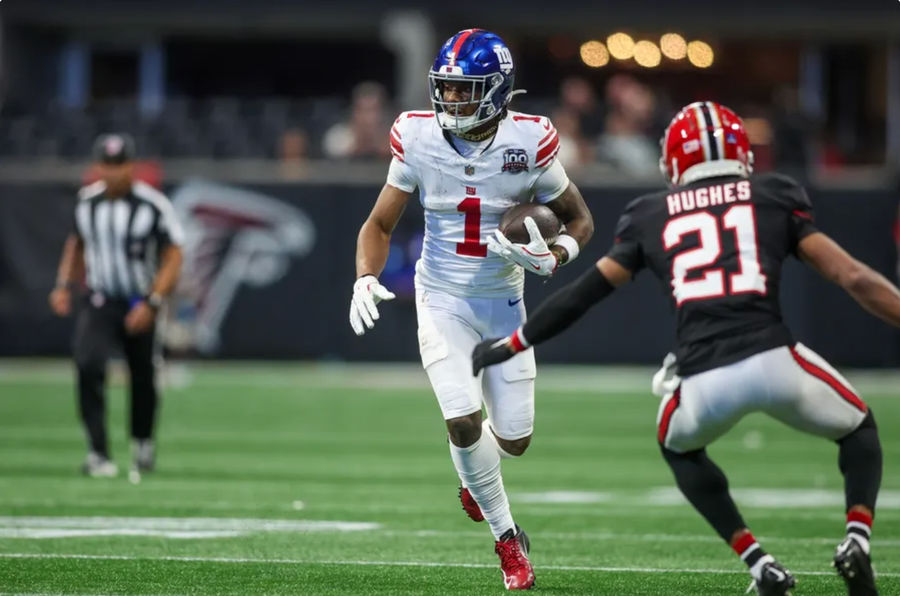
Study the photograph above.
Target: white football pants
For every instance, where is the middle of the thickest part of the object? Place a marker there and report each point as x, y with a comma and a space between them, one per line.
449, 329
791, 384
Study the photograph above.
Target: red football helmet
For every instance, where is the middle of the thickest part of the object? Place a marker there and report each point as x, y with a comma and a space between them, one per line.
704, 140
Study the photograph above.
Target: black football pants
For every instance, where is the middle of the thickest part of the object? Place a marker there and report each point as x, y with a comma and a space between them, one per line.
99, 329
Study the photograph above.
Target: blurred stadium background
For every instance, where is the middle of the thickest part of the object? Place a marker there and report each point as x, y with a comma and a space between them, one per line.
266, 124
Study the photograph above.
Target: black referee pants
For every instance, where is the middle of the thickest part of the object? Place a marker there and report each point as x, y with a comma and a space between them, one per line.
99, 329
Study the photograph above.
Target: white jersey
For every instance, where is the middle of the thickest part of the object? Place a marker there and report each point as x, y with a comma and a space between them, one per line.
465, 197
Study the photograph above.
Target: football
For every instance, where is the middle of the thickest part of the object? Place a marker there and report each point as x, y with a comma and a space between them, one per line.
512, 224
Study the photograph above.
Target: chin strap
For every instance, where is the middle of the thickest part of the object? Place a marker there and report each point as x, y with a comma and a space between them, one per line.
476, 137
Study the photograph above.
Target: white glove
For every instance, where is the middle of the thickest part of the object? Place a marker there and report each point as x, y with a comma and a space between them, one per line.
367, 292
534, 256
666, 381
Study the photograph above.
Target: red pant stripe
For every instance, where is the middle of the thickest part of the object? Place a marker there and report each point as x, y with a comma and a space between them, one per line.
671, 406
825, 377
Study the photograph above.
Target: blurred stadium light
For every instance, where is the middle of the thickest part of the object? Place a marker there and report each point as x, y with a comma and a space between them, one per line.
246, 95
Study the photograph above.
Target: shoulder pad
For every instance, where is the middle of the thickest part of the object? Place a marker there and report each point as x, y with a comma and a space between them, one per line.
404, 128
543, 134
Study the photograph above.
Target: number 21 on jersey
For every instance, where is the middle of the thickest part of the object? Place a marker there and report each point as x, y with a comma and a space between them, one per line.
741, 220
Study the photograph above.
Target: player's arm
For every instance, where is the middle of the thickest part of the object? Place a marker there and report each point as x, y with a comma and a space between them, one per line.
169, 236
868, 287
372, 247
169, 271
553, 189
69, 272
556, 314
374, 238
572, 212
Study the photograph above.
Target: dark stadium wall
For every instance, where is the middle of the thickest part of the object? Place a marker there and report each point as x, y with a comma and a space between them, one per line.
279, 287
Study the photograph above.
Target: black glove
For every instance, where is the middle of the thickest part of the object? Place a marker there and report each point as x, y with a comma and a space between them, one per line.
490, 352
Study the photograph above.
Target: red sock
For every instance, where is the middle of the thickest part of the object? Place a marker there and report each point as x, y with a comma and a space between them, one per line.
859, 524
748, 549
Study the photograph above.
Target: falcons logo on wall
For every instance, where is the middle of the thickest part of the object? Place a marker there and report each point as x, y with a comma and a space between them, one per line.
234, 238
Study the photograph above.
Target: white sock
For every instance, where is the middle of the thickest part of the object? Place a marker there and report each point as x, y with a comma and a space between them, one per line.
487, 432
862, 541
478, 466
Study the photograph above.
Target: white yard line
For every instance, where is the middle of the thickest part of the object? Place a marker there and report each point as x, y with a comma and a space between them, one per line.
252, 561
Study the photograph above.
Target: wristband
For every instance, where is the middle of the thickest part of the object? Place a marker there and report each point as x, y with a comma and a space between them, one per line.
570, 244
154, 300
517, 341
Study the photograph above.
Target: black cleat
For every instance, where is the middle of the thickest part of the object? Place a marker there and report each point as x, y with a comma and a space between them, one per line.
855, 566
774, 580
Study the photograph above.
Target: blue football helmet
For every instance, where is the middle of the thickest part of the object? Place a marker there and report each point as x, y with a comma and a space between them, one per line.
480, 62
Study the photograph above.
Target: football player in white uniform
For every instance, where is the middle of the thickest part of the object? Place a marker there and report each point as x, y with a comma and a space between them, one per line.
472, 158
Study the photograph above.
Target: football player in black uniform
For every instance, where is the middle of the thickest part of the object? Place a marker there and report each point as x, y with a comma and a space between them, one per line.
717, 239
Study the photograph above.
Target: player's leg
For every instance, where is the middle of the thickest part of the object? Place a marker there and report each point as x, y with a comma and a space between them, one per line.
93, 340
509, 400
700, 410
144, 398
813, 397
446, 341
509, 387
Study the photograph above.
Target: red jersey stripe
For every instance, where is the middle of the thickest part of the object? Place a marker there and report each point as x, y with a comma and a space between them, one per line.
547, 138
547, 149
550, 157
396, 146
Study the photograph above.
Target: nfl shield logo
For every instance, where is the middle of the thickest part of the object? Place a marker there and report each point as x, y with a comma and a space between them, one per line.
470, 170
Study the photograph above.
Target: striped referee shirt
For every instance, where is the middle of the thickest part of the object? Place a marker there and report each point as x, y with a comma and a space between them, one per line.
123, 237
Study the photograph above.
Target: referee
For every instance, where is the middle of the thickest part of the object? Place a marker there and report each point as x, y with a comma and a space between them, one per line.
126, 244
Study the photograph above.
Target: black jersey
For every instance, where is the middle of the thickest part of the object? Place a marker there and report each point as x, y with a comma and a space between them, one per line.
718, 245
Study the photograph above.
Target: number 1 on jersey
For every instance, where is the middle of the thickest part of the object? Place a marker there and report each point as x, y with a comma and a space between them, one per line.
471, 245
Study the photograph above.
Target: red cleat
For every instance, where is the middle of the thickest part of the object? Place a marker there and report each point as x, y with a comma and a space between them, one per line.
469, 505
512, 548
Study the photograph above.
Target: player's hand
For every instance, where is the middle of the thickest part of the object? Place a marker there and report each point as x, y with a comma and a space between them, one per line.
61, 301
490, 352
534, 256
140, 318
367, 293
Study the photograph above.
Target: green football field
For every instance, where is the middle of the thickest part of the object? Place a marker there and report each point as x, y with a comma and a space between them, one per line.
331, 479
